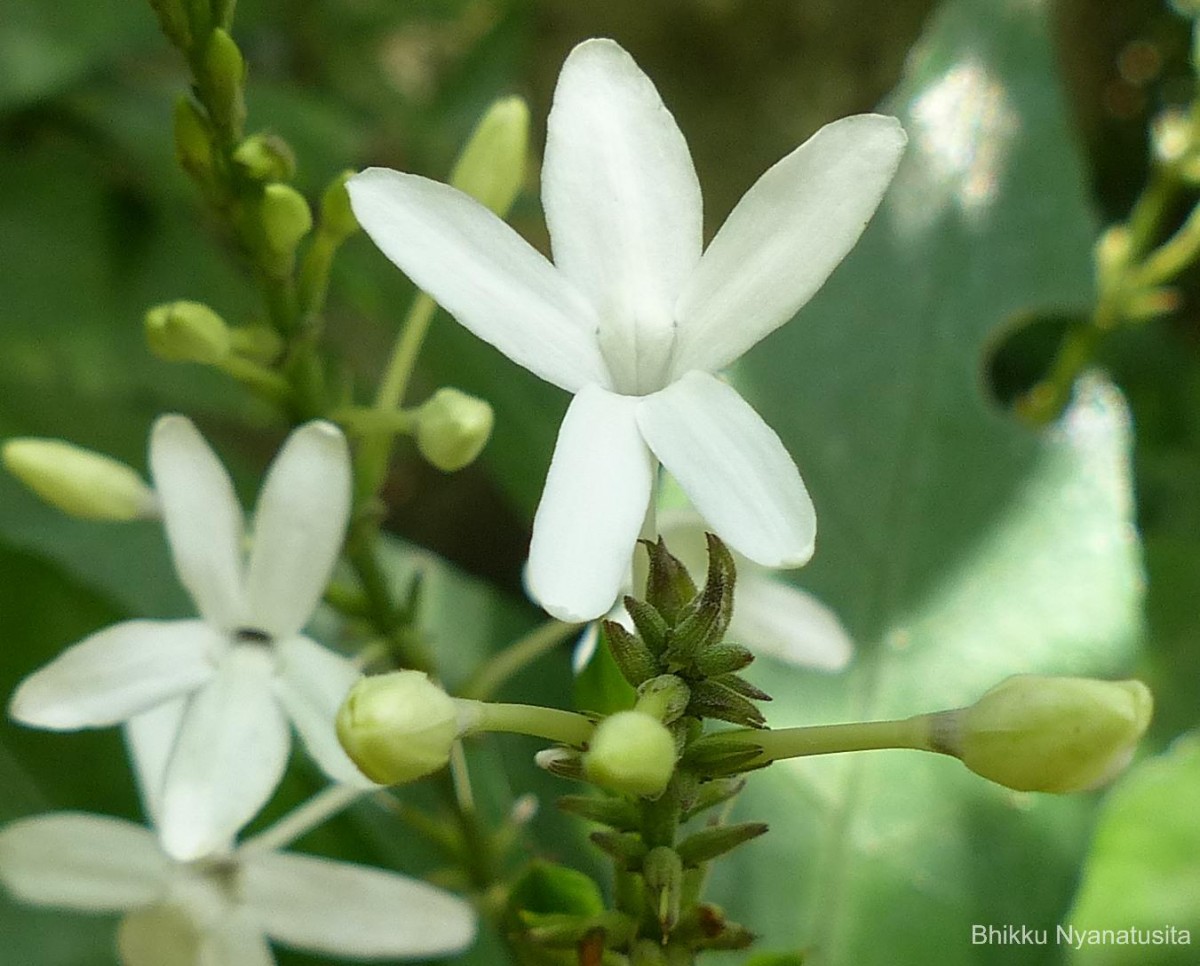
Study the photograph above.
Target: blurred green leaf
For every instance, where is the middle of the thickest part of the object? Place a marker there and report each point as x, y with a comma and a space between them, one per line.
1143, 870
46, 47
956, 547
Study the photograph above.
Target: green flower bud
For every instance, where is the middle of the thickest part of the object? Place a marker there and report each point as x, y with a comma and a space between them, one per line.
398, 727
452, 428
225, 79
286, 219
193, 139
265, 157
173, 20
491, 168
79, 481
631, 753
1048, 734
337, 218
188, 332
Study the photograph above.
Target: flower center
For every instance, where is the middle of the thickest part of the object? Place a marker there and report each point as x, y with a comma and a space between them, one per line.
251, 635
636, 343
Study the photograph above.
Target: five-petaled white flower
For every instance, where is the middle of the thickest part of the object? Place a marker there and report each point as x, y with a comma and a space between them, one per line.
224, 686
633, 317
222, 908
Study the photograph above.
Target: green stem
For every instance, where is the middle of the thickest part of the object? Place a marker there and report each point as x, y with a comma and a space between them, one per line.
835, 739
403, 360
305, 817
564, 727
516, 657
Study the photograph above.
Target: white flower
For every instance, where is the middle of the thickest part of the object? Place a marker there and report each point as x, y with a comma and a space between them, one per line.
221, 910
633, 319
220, 690
770, 616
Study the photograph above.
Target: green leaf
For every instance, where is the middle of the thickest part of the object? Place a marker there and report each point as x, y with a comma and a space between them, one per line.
956, 547
1143, 870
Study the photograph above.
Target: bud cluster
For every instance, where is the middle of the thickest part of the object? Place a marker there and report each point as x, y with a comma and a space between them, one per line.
683, 672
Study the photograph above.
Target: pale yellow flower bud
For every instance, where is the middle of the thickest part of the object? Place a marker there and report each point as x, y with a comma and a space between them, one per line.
1048, 734
452, 428
79, 481
188, 332
491, 168
631, 752
265, 157
398, 727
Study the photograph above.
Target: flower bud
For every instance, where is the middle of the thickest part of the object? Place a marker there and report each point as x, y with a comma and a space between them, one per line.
173, 20
491, 167
337, 217
265, 157
188, 332
631, 753
452, 428
286, 219
398, 727
78, 481
225, 76
1048, 734
193, 139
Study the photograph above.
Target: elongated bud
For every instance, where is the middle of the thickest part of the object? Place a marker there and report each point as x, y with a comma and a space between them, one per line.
225, 73
79, 481
398, 727
193, 139
188, 332
1048, 734
265, 157
453, 428
632, 753
491, 167
173, 20
337, 217
286, 219
663, 871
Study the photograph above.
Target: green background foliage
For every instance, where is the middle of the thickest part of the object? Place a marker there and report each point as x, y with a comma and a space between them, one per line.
957, 546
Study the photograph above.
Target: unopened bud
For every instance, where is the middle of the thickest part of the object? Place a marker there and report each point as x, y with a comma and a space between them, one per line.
452, 428
398, 727
1112, 256
225, 76
188, 332
631, 753
79, 481
491, 168
265, 157
193, 139
1048, 734
173, 20
286, 219
337, 217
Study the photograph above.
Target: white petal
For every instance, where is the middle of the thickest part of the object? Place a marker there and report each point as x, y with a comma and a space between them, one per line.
784, 238
203, 519
595, 500
230, 754
482, 272
77, 861
733, 468
116, 673
311, 682
150, 738
775, 619
299, 525
352, 910
236, 941
622, 201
